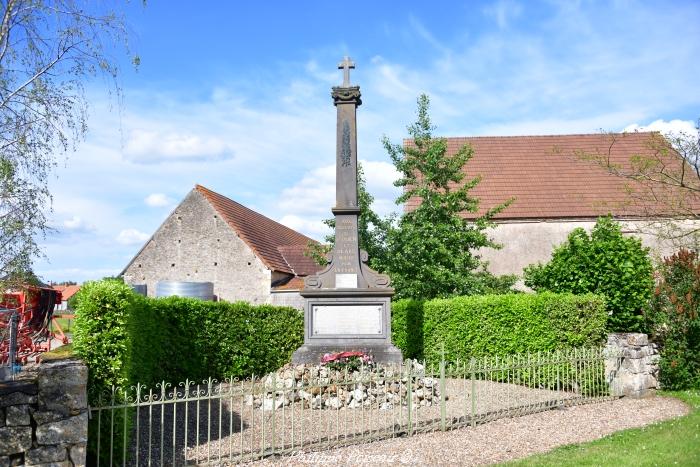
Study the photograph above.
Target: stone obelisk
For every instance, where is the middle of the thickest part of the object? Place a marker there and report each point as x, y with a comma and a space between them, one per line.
347, 306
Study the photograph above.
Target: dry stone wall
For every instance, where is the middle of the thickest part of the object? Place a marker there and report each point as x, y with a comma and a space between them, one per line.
44, 416
636, 372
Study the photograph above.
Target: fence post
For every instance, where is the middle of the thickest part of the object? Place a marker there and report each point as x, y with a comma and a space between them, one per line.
472, 363
443, 408
409, 395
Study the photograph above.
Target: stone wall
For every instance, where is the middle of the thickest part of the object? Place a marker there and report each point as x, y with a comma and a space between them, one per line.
636, 373
287, 298
195, 244
44, 416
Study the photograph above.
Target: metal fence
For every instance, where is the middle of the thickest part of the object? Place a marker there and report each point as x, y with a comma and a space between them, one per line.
9, 319
300, 409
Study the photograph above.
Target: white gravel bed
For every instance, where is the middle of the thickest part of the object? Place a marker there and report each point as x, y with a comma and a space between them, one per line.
500, 440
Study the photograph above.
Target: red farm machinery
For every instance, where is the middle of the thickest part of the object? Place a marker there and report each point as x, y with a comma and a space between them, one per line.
25, 315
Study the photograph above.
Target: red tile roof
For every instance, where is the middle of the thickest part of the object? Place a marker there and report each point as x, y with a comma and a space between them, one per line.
544, 176
296, 283
67, 291
301, 264
263, 235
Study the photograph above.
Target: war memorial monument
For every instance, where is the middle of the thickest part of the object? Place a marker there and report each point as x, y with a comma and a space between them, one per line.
347, 305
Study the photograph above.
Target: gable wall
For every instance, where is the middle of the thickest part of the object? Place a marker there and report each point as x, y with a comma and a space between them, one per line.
195, 244
525, 243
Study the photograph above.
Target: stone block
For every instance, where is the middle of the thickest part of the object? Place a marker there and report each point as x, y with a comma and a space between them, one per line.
44, 454
68, 431
63, 386
4, 461
65, 463
78, 454
634, 365
637, 339
41, 417
17, 398
17, 415
15, 439
2, 419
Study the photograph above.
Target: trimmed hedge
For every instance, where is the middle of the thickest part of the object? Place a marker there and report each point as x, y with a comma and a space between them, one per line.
127, 339
497, 324
177, 338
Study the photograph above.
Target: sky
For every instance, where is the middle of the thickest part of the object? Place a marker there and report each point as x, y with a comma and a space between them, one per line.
235, 96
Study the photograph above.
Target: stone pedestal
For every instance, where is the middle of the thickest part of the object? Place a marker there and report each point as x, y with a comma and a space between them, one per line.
347, 320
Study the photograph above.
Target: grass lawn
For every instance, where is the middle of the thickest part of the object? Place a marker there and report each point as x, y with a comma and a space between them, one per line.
673, 442
65, 323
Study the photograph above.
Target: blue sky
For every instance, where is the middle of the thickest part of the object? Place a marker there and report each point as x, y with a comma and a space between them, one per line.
236, 96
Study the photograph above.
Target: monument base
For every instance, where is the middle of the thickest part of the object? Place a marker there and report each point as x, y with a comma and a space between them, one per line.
381, 353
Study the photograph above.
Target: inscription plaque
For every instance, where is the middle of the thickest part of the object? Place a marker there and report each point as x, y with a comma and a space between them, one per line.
347, 320
346, 281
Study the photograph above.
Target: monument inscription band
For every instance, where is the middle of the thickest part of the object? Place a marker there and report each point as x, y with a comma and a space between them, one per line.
347, 305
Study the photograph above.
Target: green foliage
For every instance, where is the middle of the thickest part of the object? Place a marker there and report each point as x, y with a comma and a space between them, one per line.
605, 263
432, 249
50, 49
178, 338
101, 340
100, 335
127, 339
371, 229
465, 327
674, 320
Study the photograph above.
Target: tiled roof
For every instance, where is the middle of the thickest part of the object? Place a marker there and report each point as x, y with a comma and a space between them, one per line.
301, 264
296, 283
263, 235
544, 176
67, 291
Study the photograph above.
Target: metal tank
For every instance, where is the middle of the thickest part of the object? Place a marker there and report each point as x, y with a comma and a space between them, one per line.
139, 289
201, 290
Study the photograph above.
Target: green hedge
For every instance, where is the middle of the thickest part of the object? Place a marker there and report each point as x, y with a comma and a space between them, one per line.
497, 324
127, 339
177, 338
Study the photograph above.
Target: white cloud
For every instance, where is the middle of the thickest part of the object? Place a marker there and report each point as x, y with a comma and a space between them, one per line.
153, 146
503, 12
670, 128
132, 237
77, 224
313, 228
158, 200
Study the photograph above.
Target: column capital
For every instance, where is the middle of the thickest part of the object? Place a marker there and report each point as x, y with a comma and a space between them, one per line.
346, 95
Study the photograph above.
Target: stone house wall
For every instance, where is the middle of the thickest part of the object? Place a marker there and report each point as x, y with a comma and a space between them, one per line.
195, 244
528, 242
44, 416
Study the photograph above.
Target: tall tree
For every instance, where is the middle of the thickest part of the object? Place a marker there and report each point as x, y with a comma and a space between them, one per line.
663, 184
433, 249
49, 49
371, 228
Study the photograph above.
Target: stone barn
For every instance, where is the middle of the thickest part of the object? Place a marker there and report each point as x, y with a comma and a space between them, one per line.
554, 192
211, 238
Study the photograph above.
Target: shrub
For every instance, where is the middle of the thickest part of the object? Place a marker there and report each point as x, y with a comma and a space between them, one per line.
674, 320
101, 340
603, 263
466, 327
177, 338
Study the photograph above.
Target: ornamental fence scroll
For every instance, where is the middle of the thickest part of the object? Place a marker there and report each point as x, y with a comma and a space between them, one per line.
310, 408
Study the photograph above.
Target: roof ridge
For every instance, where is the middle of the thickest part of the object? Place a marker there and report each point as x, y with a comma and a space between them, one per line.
555, 135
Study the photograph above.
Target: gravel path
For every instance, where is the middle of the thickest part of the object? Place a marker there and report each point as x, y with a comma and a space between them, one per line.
501, 440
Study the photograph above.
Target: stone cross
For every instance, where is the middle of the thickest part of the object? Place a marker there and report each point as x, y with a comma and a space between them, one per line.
346, 65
